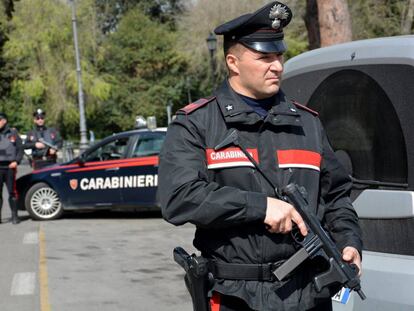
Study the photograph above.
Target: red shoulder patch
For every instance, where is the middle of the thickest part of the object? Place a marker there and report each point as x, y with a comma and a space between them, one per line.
197, 104
315, 113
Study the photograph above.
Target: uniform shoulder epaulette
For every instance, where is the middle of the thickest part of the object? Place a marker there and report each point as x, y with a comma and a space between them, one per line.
196, 105
315, 113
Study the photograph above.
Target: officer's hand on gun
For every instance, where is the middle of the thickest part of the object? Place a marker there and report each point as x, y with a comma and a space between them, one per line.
40, 145
281, 217
351, 256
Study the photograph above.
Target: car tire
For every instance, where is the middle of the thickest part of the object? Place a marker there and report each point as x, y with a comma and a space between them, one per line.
43, 203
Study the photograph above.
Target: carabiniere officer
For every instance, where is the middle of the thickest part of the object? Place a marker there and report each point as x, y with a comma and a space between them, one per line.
11, 153
242, 228
42, 155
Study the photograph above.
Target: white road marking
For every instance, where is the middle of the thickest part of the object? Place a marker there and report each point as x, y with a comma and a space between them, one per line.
31, 238
23, 284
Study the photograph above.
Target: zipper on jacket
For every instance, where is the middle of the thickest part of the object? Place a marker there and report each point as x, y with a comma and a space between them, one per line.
261, 249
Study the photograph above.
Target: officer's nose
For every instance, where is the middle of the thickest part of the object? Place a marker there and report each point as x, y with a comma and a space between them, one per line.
277, 65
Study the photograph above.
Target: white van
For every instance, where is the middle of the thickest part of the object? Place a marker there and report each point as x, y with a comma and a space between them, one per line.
364, 93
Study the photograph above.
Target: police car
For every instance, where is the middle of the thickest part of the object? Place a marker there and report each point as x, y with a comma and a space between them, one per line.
364, 93
118, 172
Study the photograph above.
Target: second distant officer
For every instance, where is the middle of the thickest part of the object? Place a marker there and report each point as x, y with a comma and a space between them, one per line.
11, 153
44, 141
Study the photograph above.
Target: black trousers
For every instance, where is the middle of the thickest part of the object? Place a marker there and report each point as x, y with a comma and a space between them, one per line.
8, 177
229, 303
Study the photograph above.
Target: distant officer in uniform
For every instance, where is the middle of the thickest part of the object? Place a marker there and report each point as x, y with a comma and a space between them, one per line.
243, 229
11, 153
44, 141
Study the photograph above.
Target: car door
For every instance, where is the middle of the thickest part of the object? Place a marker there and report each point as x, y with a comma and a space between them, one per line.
142, 171
95, 181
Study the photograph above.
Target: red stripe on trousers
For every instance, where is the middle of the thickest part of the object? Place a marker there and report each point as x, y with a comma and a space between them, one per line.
215, 302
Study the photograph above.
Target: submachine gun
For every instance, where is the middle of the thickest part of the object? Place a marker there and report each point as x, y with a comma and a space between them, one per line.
47, 144
316, 243
42, 157
197, 278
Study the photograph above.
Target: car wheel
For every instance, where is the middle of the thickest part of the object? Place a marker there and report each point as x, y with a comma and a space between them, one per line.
43, 203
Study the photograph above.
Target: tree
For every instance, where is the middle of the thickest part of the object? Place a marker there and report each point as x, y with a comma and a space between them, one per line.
407, 20
147, 71
40, 47
376, 18
334, 22
110, 12
312, 24
8, 7
7, 72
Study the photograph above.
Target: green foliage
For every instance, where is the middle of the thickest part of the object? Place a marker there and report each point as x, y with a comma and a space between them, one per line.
147, 71
110, 12
40, 47
7, 8
376, 18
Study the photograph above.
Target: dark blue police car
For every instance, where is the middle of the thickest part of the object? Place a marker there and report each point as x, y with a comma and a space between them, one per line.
118, 172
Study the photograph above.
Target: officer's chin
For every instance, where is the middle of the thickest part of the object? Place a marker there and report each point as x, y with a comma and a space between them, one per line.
271, 90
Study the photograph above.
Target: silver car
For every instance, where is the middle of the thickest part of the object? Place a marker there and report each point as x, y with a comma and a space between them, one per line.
364, 93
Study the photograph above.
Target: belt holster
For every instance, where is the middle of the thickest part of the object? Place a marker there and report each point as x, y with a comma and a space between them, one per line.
197, 278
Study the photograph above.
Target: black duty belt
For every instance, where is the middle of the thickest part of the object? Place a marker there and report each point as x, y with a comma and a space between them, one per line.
247, 272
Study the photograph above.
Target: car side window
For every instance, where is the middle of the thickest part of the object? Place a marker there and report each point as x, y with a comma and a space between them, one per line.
113, 150
148, 144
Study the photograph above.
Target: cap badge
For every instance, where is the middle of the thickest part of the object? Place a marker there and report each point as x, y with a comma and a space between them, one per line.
229, 107
278, 12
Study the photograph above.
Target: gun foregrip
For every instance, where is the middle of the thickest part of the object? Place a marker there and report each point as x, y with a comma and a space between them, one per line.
333, 275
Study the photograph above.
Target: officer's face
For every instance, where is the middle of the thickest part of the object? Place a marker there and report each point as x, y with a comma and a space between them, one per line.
40, 120
255, 74
3, 122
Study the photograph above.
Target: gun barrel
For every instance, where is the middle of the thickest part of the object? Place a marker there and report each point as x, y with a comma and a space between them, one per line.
48, 144
361, 294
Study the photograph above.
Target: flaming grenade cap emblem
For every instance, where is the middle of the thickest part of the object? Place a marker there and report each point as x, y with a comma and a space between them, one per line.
278, 12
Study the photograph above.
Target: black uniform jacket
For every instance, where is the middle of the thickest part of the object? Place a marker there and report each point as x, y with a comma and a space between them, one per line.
222, 193
49, 134
14, 142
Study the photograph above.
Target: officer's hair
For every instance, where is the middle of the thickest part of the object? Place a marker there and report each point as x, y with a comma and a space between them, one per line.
232, 47
228, 44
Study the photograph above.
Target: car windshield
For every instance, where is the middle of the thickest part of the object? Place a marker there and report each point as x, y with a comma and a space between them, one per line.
148, 144
112, 150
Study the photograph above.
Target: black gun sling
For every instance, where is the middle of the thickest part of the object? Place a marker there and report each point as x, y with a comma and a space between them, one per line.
247, 272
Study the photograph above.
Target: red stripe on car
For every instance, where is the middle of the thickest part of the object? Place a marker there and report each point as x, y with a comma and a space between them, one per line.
153, 160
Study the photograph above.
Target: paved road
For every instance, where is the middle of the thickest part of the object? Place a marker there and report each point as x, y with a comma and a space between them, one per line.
92, 261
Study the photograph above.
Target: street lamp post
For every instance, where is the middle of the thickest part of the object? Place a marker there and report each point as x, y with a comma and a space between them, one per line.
212, 46
82, 120
169, 111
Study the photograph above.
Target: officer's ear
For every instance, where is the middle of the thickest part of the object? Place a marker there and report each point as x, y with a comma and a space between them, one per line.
232, 62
